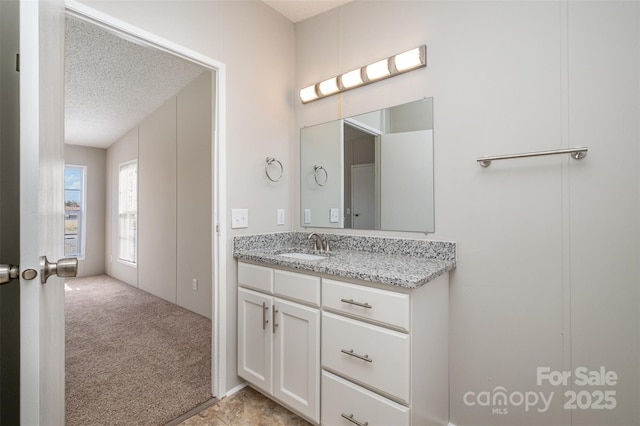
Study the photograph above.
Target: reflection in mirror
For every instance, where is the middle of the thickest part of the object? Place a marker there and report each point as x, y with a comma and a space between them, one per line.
370, 171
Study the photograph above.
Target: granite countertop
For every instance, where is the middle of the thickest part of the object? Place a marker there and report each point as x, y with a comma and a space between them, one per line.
392, 261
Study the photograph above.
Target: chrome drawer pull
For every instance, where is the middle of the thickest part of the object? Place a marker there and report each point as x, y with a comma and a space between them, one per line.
354, 421
352, 353
265, 308
352, 302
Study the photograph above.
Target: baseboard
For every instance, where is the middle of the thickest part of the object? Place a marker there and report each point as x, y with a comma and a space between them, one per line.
234, 390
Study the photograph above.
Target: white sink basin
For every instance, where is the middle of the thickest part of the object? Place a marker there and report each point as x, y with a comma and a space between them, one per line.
304, 256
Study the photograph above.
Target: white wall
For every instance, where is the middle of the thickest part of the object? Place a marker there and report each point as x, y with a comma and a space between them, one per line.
193, 230
173, 149
256, 45
548, 248
95, 161
157, 204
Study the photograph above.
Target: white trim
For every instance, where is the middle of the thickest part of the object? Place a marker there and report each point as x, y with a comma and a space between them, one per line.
362, 126
238, 389
30, 376
219, 294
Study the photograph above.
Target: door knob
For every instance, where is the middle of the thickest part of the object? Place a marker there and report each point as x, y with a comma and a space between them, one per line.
67, 267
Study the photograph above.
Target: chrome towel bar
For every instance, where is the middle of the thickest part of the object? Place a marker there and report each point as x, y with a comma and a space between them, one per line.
576, 153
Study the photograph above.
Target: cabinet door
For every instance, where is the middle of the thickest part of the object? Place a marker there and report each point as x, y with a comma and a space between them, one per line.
255, 338
296, 357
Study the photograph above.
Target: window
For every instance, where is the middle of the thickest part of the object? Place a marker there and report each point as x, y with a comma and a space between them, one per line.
74, 210
128, 212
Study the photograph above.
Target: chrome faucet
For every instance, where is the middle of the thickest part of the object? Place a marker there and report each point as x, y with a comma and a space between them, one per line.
317, 243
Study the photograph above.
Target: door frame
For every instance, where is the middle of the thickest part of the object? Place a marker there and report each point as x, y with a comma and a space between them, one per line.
218, 174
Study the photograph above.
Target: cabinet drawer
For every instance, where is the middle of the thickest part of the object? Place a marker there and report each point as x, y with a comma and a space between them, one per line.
341, 397
386, 364
385, 307
297, 286
256, 277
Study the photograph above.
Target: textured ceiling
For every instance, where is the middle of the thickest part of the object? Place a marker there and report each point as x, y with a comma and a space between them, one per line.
112, 84
299, 10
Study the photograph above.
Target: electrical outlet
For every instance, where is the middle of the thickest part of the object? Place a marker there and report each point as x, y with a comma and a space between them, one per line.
195, 284
280, 220
307, 215
334, 215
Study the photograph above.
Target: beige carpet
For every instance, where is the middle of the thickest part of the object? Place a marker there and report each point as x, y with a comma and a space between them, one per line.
131, 358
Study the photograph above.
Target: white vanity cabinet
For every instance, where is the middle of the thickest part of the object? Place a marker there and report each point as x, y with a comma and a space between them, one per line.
279, 336
378, 352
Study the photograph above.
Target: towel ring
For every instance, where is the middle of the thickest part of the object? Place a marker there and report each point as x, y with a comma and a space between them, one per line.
316, 169
270, 161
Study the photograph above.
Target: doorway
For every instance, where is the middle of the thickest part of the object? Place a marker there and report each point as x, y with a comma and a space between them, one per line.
138, 36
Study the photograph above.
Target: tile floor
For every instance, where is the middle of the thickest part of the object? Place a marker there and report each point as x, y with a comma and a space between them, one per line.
245, 408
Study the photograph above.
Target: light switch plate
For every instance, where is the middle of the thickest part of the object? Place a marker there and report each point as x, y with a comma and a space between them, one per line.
239, 218
307, 215
280, 220
334, 215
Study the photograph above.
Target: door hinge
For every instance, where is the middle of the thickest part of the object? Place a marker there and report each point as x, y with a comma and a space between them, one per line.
217, 228
17, 62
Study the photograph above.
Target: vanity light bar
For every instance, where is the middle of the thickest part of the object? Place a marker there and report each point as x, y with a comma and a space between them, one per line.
379, 70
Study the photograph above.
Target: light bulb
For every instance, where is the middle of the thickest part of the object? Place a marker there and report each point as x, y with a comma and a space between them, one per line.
308, 94
378, 70
329, 87
351, 79
408, 60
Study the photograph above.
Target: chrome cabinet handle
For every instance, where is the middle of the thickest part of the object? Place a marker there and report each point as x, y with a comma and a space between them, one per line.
354, 421
275, 312
350, 352
352, 302
265, 308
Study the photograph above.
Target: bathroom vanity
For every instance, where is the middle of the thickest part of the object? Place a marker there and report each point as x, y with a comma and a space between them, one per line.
355, 336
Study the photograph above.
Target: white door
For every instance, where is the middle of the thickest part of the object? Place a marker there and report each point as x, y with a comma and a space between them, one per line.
363, 196
41, 210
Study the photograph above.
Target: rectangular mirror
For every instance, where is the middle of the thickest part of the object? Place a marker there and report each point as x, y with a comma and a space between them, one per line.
370, 171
